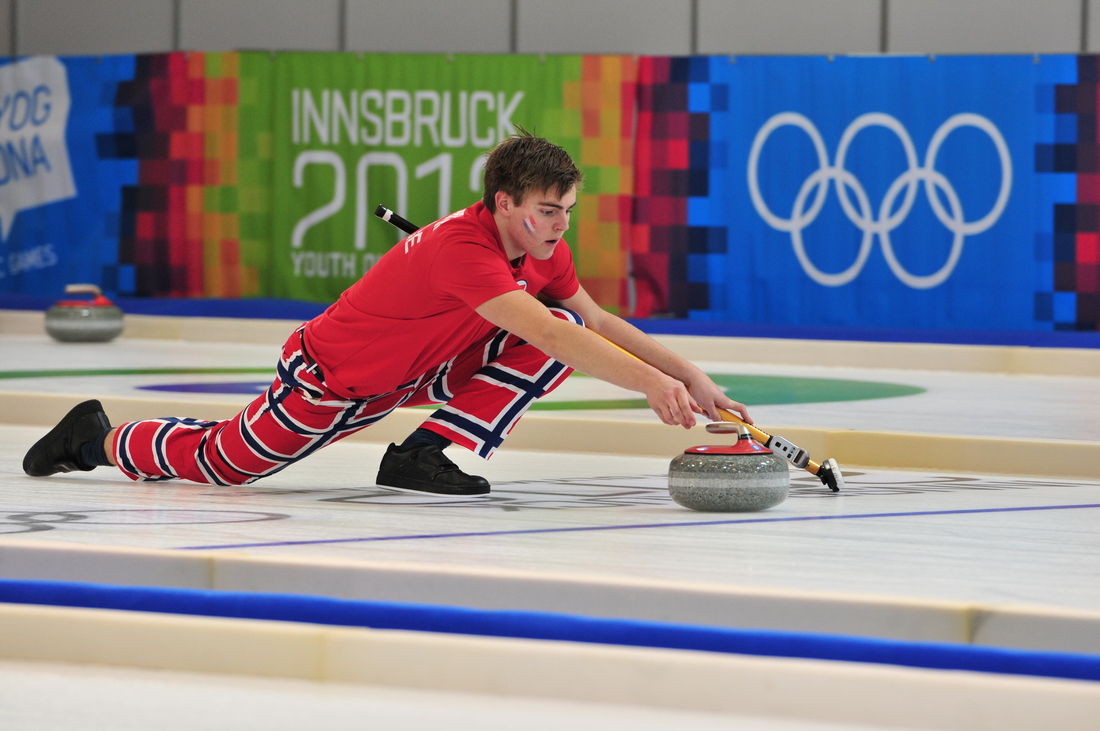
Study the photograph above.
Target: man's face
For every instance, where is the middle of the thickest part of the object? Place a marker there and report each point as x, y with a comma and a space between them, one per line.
537, 225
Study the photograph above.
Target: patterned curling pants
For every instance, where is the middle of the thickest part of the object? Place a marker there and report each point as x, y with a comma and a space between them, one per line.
483, 391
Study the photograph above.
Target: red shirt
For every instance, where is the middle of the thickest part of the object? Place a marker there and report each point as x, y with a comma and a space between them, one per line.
414, 310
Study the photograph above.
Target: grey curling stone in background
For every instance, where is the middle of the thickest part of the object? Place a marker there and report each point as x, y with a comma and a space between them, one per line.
739, 478
77, 320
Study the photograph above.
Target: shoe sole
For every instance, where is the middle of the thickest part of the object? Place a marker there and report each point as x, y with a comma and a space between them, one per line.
413, 488
79, 411
435, 498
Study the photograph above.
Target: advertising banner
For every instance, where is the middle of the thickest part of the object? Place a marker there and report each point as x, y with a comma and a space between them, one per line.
897, 192
412, 131
59, 199
256, 174
955, 192
133, 173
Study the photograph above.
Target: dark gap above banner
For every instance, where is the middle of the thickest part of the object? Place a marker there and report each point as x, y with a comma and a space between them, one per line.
265, 308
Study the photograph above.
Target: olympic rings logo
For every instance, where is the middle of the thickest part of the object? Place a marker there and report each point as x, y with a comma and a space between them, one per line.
861, 213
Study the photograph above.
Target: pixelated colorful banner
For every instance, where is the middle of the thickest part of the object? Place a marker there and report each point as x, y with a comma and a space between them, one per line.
169, 195
898, 192
1067, 246
194, 224
256, 174
894, 192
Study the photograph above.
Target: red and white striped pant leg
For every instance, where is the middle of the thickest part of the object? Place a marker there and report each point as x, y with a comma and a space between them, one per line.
295, 417
487, 389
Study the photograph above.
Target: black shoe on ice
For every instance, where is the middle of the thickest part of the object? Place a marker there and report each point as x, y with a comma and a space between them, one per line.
59, 451
427, 469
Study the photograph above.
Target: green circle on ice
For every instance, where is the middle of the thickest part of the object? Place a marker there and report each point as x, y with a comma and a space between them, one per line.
754, 390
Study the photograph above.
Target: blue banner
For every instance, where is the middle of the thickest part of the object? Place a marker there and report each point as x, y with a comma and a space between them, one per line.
896, 192
59, 196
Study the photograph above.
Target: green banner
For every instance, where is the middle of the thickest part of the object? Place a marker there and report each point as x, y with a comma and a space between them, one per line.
409, 131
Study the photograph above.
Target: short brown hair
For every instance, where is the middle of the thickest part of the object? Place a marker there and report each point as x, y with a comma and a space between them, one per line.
522, 164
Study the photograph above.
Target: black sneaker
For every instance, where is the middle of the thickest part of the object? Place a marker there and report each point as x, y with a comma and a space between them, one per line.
59, 451
427, 469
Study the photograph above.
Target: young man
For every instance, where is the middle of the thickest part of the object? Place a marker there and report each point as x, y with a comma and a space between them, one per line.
448, 317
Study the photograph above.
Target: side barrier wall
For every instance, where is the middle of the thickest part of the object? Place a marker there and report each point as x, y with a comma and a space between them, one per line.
955, 192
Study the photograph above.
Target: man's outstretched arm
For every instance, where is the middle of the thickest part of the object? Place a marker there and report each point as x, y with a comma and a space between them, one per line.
706, 393
671, 398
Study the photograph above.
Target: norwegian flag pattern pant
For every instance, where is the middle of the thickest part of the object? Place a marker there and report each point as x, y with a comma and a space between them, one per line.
483, 392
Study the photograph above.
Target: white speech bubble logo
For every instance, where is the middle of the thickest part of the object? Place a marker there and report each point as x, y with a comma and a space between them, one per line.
34, 159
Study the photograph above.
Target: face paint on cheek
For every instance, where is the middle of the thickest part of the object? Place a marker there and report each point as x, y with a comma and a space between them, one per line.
529, 224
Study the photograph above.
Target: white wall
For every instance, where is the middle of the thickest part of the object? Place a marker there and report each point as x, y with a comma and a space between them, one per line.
1093, 26
429, 26
93, 27
985, 26
5, 27
552, 26
275, 25
789, 26
604, 26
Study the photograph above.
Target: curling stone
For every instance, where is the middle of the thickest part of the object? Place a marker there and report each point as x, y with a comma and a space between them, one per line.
735, 478
81, 320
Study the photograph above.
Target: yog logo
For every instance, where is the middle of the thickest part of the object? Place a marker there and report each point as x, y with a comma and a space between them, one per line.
34, 156
805, 211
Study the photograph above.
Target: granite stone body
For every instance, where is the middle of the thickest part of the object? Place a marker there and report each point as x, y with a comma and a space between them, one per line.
84, 324
737, 483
